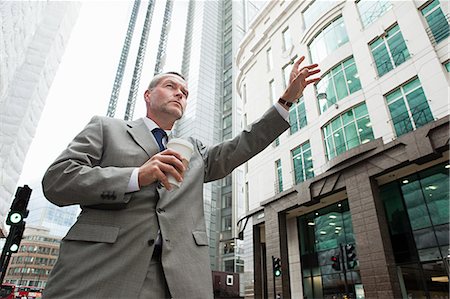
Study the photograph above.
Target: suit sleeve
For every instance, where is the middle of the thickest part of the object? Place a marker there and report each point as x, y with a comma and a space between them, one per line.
223, 158
76, 176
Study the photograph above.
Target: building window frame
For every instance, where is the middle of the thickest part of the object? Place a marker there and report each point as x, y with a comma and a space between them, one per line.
438, 30
324, 44
413, 116
297, 116
287, 39
385, 52
354, 121
278, 176
338, 83
302, 163
366, 9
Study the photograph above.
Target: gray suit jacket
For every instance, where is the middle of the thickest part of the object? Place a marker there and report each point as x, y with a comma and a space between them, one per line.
107, 251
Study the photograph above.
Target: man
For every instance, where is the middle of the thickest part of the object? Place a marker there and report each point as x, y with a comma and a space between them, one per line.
134, 237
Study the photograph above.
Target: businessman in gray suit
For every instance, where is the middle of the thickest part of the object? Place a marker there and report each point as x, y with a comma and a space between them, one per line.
134, 237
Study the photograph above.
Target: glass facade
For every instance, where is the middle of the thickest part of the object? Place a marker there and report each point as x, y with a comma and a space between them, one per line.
417, 211
279, 176
408, 107
348, 130
315, 10
389, 51
303, 164
338, 83
328, 40
370, 10
297, 116
447, 66
323, 235
437, 22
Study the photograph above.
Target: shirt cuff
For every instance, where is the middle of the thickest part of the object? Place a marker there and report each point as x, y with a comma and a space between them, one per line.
283, 112
133, 184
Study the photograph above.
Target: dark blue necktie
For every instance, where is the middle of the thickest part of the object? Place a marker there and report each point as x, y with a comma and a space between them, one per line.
159, 134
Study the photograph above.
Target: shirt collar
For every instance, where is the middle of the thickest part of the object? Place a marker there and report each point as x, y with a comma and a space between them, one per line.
152, 125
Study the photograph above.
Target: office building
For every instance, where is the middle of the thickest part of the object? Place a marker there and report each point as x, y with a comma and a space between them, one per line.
33, 36
354, 197
37, 255
213, 114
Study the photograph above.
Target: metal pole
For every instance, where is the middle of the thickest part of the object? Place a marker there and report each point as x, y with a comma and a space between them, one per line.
8, 257
273, 275
344, 268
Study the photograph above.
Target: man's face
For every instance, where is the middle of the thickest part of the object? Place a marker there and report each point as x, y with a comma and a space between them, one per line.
167, 99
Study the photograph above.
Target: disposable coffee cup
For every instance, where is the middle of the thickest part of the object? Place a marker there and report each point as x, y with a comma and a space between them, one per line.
185, 149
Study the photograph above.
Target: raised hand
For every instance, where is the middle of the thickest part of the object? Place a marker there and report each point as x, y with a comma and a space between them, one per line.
299, 79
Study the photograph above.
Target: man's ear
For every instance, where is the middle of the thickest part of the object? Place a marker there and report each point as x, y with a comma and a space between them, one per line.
147, 94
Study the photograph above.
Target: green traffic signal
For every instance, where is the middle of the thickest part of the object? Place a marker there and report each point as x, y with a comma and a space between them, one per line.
276, 262
18, 210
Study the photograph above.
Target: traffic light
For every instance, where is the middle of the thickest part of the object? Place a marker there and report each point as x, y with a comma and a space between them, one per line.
276, 261
19, 205
351, 256
336, 263
14, 237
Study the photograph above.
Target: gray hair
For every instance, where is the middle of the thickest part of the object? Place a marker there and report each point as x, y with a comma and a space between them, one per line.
158, 78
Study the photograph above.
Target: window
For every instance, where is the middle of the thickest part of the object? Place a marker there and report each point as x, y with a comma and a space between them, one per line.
272, 91
303, 165
227, 128
347, 131
329, 39
286, 71
437, 22
389, 50
417, 209
370, 10
321, 234
276, 142
408, 107
226, 223
269, 59
244, 93
315, 10
447, 66
287, 41
297, 116
226, 200
338, 83
279, 176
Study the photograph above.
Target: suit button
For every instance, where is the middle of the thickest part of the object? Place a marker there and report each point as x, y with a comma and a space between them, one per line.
151, 242
159, 210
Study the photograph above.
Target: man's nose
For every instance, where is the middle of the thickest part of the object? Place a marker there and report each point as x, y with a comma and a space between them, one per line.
179, 93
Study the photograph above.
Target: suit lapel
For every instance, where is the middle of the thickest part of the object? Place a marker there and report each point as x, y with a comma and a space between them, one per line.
142, 136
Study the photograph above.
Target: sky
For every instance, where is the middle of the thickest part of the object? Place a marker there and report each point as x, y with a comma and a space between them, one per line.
83, 83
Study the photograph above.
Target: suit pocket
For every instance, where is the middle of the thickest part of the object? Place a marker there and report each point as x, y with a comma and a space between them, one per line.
92, 233
200, 238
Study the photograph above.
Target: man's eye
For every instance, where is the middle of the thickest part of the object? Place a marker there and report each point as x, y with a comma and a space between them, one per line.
169, 85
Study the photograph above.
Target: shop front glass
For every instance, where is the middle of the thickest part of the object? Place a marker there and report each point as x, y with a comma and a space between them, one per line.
326, 238
417, 211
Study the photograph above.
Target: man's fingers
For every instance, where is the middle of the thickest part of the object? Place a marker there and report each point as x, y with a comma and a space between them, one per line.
311, 66
297, 63
315, 80
313, 72
168, 169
